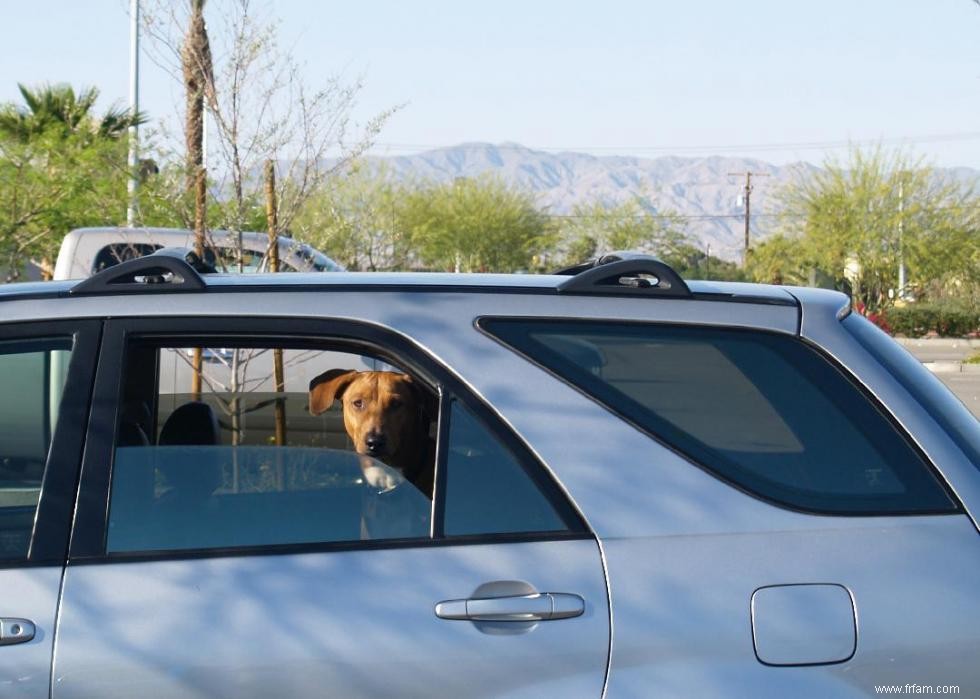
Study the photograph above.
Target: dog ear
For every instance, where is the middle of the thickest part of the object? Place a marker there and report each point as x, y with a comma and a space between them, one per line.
329, 386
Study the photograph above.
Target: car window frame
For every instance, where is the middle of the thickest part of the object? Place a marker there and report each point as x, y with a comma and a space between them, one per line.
88, 540
482, 322
56, 504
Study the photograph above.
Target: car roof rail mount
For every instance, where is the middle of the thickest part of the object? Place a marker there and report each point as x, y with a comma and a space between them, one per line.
624, 273
167, 269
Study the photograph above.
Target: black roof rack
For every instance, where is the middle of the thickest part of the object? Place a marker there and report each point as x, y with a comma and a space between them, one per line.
167, 269
624, 273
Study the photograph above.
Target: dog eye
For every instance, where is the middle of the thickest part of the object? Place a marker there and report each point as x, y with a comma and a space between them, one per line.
357, 403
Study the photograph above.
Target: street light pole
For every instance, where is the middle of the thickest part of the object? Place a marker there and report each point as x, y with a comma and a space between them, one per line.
901, 234
134, 105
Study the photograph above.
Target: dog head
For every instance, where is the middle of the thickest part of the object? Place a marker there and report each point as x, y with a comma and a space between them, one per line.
382, 410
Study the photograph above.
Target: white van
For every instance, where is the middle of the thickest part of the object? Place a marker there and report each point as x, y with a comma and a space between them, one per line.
85, 251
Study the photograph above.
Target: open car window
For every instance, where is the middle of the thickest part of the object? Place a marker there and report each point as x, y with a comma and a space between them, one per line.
258, 455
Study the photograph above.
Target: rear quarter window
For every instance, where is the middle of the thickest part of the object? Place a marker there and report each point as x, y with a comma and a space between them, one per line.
763, 411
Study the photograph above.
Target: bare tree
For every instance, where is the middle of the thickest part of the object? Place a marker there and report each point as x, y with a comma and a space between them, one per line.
271, 213
263, 109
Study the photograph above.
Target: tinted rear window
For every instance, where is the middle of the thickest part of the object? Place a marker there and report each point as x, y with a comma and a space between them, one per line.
761, 410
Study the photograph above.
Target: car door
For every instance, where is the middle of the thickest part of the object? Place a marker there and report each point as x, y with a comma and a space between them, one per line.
251, 555
46, 374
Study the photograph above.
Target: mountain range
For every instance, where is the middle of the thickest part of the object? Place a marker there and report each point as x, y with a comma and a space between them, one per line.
706, 191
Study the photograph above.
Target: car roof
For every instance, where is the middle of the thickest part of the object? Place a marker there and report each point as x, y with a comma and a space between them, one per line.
476, 282
625, 274
410, 282
16, 290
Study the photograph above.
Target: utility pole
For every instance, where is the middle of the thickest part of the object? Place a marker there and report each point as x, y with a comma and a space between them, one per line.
747, 193
134, 106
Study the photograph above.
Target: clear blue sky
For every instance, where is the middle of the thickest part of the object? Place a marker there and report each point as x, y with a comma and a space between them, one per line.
633, 77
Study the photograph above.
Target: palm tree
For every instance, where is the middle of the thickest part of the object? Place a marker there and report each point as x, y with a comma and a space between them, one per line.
195, 57
196, 65
50, 107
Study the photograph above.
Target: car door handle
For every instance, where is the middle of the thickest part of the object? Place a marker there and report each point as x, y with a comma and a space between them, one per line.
15, 631
540, 606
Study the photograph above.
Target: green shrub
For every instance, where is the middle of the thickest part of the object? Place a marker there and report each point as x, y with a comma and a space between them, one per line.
946, 320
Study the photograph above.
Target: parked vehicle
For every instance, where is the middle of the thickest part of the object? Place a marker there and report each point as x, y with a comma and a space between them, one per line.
642, 487
86, 251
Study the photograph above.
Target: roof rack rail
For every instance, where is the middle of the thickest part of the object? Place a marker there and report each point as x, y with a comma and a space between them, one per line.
624, 272
167, 269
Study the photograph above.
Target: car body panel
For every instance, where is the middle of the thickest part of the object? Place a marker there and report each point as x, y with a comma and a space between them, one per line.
29, 593
682, 606
341, 623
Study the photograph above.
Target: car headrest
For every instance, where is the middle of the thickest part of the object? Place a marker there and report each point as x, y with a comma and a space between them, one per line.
191, 424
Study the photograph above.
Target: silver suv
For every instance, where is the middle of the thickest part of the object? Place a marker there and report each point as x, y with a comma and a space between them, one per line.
619, 484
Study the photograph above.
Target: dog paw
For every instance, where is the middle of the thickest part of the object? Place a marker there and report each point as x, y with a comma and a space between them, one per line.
380, 476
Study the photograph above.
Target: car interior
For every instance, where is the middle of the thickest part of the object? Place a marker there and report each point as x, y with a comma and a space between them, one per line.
205, 471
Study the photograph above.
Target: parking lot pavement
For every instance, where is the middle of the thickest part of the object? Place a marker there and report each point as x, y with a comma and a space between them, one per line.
966, 386
940, 349
945, 358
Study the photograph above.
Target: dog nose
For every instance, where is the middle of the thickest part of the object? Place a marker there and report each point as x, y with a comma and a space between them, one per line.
374, 442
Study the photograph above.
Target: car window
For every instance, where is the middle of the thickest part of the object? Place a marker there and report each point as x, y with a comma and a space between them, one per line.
762, 410
32, 378
315, 260
242, 465
252, 261
487, 490
113, 254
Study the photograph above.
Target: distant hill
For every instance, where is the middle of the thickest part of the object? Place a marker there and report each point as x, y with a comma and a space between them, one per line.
698, 188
